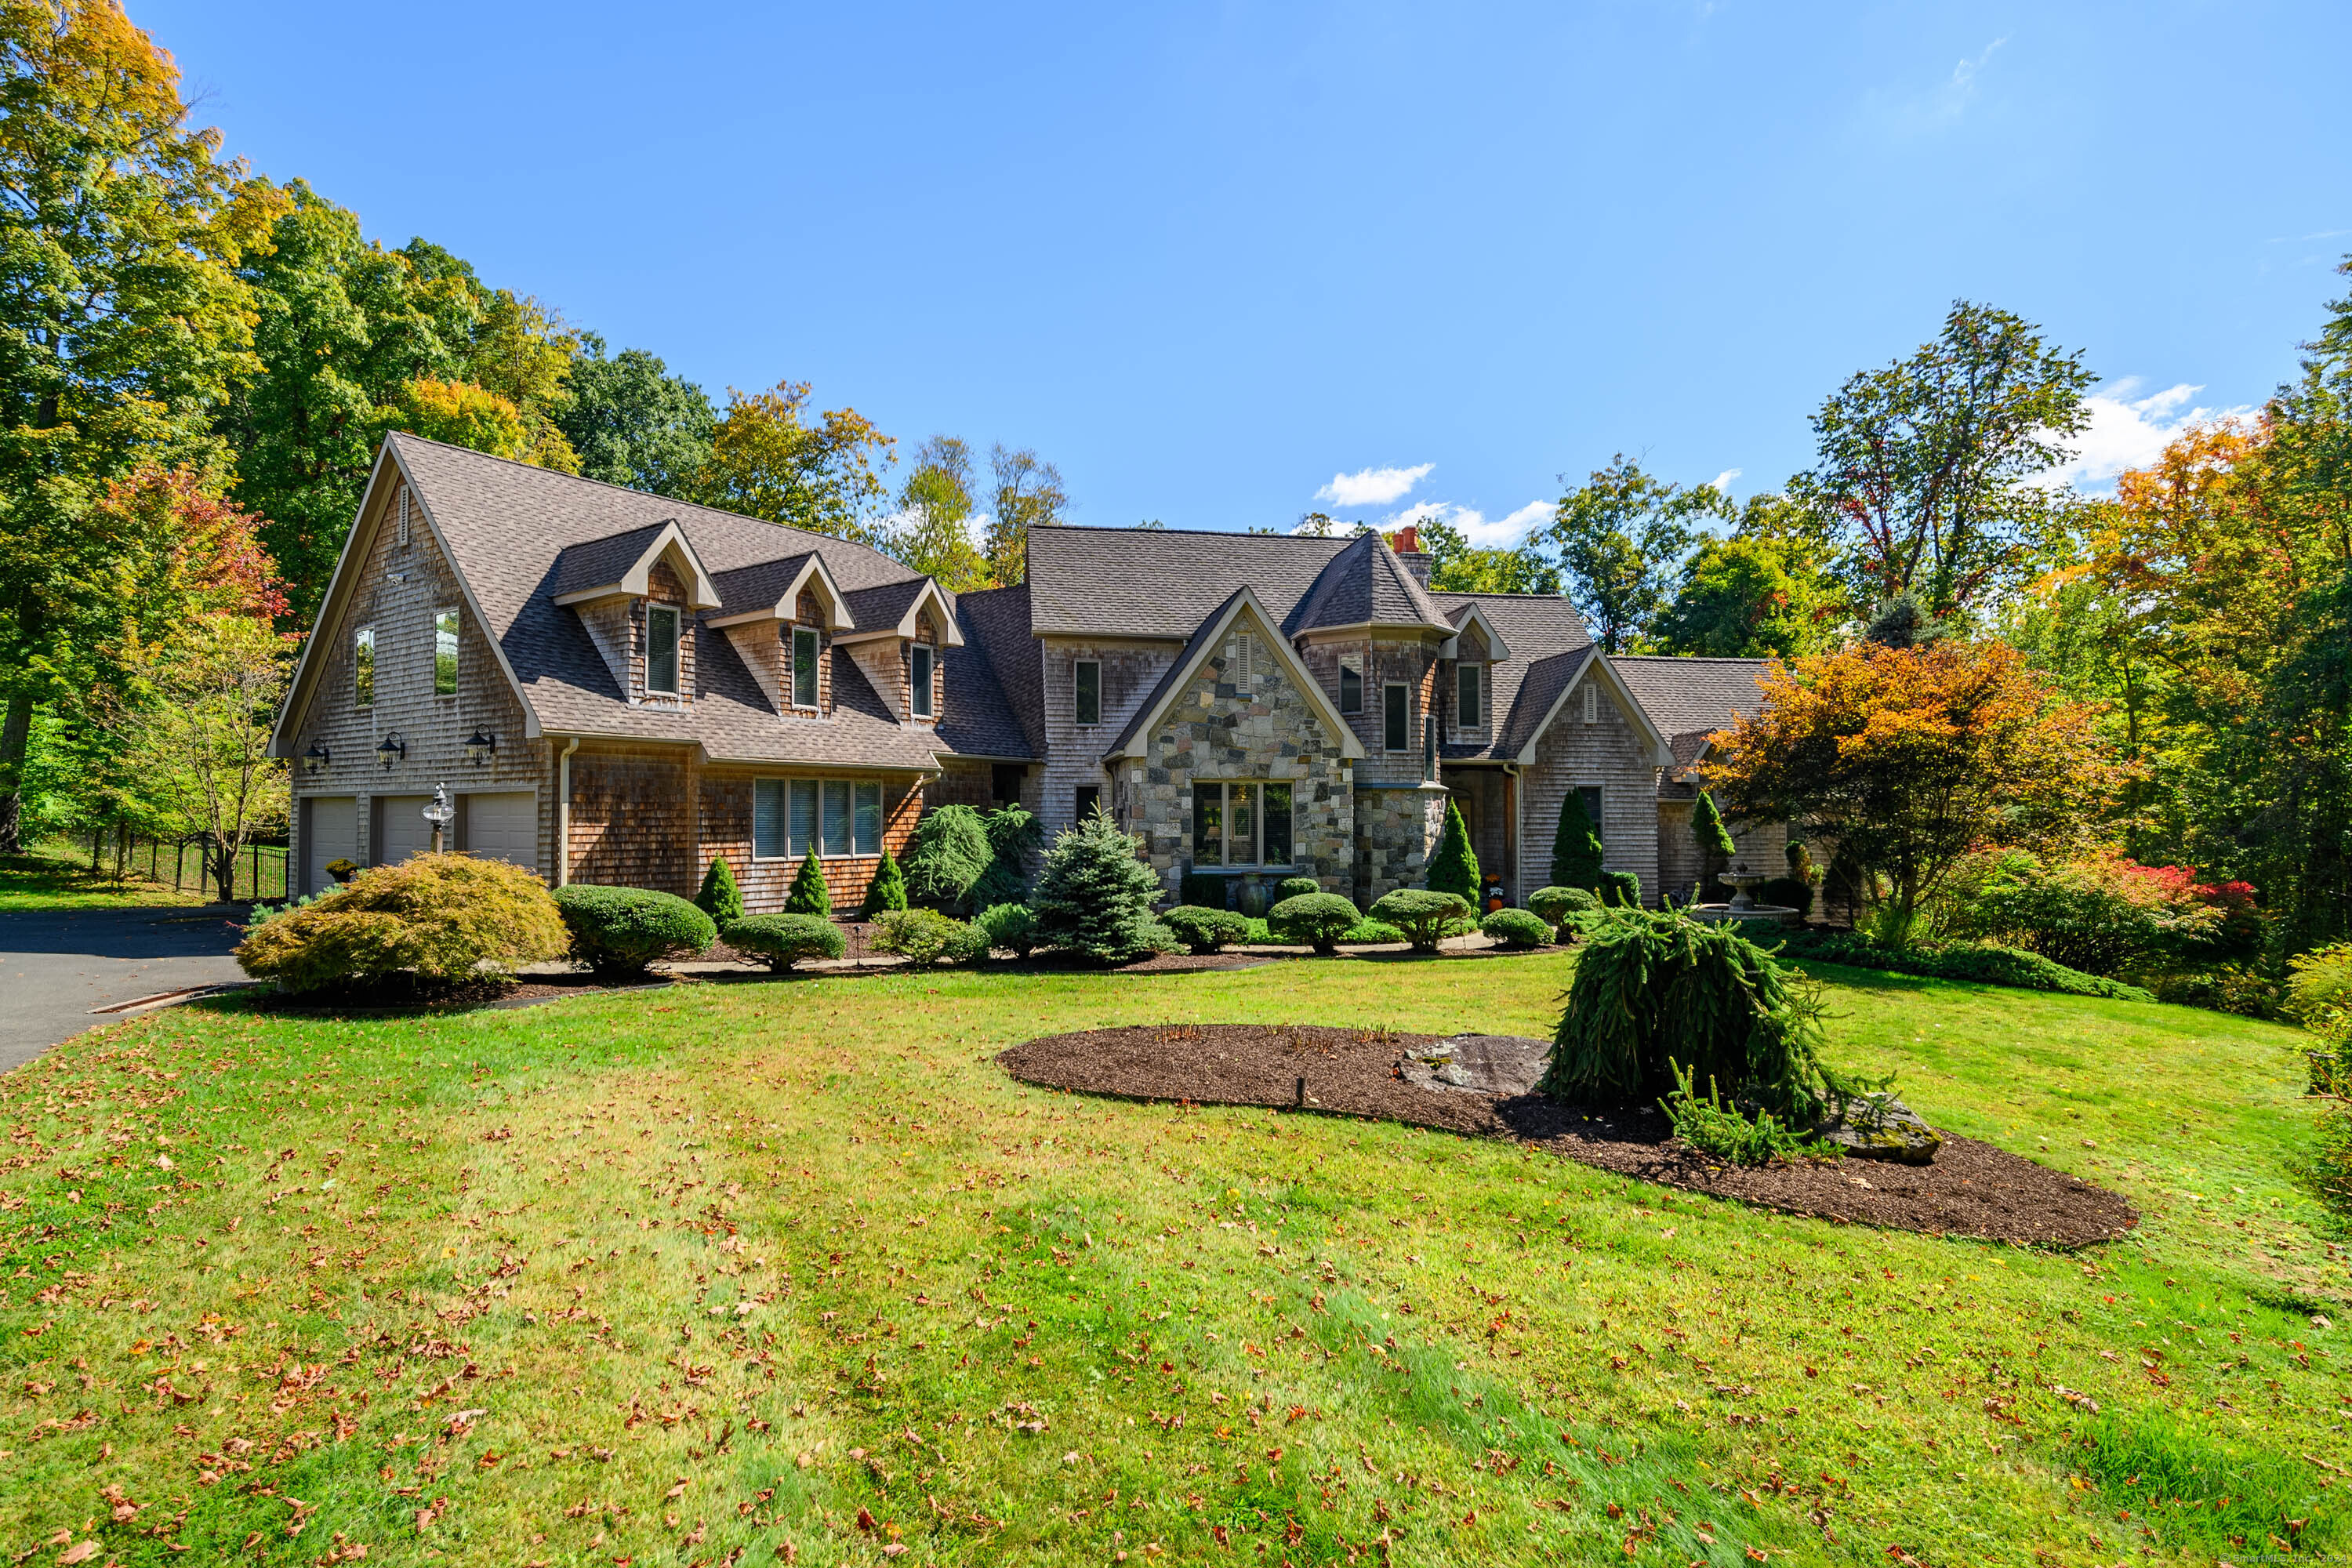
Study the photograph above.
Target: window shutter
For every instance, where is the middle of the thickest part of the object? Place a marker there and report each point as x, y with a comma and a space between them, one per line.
1592, 703
1242, 661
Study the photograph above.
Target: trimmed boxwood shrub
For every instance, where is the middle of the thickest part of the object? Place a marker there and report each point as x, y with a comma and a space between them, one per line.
1554, 905
1093, 897
889, 890
1012, 927
1622, 890
440, 917
1454, 867
620, 931
1986, 965
781, 940
1515, 928
720, 898
1426, 918
1205, 931
950, 852
808, 894
1296, 887
927, 936
1318, 919
1202, 890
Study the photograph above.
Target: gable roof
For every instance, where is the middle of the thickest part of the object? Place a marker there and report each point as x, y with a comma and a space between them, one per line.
1186, 664
1163, 583
602, 568
1691, 698
772, 590
890, 610
1548, 645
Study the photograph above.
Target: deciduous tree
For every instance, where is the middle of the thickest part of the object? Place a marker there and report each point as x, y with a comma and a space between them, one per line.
633, 423
1617, 541
1028, 493
768, 459
932, 531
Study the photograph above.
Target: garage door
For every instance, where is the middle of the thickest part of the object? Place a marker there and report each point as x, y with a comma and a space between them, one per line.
401, 828
331, 832
503, 827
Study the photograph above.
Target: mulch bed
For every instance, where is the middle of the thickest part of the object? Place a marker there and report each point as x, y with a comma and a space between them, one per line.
1972, 1189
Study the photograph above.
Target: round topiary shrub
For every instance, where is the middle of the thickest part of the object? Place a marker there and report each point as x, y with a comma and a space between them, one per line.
1515, 928
1426, 918
439, 917
617, 932
1622, 890
1296, 887
781, 940
1205, 930
1318, 919
927, 936
1012, 927
1557, 905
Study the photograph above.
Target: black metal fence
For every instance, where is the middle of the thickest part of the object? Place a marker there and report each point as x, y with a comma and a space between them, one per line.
259, 874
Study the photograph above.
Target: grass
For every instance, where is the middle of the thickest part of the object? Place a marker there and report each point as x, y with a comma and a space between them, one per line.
50, 882
791, 1268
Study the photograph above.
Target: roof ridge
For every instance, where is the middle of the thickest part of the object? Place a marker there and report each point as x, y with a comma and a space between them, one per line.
1209, 533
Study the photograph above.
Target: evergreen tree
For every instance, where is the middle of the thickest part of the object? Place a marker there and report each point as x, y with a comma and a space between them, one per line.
808, 895
1576, 848
1714, 846
889, 889
1094, 896
1454, 867
720, 898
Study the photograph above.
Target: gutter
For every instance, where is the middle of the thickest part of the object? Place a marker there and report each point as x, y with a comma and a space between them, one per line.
564, 813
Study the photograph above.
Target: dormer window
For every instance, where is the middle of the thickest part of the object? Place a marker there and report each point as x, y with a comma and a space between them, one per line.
919, 681
805, 657
661, 651
1467, 711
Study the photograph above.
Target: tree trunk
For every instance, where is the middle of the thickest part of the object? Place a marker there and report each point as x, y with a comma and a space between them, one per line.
224, 858
15, 738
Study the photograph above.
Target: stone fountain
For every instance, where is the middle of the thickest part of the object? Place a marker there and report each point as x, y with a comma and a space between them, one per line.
1743, 906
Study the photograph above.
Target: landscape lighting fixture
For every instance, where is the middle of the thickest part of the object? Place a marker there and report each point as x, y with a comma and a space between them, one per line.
315, 760
390, 749
481, 746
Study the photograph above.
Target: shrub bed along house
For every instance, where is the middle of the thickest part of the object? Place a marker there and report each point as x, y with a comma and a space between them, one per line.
1205, 931
781, 940
1012, 927
619, 931
444, 918
926, 936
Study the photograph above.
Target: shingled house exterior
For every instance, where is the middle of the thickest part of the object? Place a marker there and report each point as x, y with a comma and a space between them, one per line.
615, 687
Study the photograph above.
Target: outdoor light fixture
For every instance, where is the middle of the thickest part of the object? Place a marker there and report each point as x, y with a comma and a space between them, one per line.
315, 760
481, 746
390, 749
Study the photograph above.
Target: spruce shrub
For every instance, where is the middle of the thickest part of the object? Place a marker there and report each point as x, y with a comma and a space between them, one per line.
1012, 927
1013, 838
440, 917
718, 897
620, 931
781, 940
1318, 919
1426, 918
1575, 848
1454, 867
808, 894
1516, 928
889, 890
1093, 897
1205, 931
950, 852
927, 936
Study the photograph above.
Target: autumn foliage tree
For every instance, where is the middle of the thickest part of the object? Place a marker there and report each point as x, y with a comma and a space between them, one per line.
1909, 758
773, 457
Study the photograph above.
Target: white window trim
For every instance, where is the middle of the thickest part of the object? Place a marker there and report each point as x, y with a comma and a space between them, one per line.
1411, 744
455, 672
1077, 665
794, 644
820, 780
1258, 846
678, 651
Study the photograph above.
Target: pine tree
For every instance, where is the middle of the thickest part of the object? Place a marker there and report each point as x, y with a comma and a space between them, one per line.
808, 895
719, 898
1576, 848
1714, 846
1454, 867
889, 889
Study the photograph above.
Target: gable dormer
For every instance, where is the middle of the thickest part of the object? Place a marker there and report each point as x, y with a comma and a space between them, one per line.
783, 618
1468, 690
904, 632
637, 593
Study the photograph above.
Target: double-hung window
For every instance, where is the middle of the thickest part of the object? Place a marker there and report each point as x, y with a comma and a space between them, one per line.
363, 667
827, 817
1085, 682
1396, 727
661, 651
805, 657
920, 664
444, 652
1466, 709
1351, 684
1240, 824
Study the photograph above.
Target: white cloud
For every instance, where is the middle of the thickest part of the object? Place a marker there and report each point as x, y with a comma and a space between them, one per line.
1914, 111
1484, 532
1723, 481
2126, 432
1373, 486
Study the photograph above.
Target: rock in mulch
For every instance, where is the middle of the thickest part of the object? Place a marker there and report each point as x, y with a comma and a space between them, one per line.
1881, 1127
1972, 1189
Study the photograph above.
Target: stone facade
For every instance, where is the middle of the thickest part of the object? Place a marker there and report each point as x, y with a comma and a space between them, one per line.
1397, 830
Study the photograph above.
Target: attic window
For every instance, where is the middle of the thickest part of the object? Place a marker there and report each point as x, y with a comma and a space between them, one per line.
1086, 682
1465, 697
919, 677
805, 664
444, 652
1351, 684
661, 651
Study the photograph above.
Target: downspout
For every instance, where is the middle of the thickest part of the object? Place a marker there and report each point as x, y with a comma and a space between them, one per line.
564, 813
1518, 831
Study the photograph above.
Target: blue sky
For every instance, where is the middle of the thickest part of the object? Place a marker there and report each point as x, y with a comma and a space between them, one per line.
1215, 260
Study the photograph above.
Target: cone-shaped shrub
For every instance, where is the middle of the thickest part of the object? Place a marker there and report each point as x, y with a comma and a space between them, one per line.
808, 895
1454, 867
1095, 897
1714, 846
720, 898
889, 889
1575, 849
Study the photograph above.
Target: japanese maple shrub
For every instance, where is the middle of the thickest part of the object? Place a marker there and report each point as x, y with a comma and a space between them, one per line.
439, 917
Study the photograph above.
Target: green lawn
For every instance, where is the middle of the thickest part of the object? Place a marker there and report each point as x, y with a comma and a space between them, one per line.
791, 1267
49, 882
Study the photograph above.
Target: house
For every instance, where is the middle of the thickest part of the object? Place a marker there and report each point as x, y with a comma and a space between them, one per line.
614, 687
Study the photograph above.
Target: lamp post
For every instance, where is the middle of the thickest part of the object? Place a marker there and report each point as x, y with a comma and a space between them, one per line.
439, 812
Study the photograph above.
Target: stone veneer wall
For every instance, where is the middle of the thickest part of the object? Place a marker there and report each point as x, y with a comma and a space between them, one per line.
1215, 730
1396, 832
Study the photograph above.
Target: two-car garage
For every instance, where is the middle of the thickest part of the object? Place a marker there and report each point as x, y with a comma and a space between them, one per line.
497, 824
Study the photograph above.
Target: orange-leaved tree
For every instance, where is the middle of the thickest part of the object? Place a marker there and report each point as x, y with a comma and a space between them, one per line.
1911, 757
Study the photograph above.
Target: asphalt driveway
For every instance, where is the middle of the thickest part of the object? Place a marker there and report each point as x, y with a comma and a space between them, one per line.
58, 964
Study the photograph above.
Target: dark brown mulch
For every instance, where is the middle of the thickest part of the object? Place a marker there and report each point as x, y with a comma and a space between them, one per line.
1972, 1189
408, 993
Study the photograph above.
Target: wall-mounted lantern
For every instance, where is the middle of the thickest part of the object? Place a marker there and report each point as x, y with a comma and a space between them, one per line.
391, 749
481, 746
315, 760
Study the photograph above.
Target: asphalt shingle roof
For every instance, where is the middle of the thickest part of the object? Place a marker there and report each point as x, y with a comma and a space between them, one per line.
1690, 699
1549, 644
1365, 583
1152, 581
996, 626
756, 587
597, 561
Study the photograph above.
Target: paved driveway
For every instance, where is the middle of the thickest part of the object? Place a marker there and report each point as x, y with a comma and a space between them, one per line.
58, 964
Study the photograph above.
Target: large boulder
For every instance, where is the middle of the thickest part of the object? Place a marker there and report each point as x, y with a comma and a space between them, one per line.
1880, 1127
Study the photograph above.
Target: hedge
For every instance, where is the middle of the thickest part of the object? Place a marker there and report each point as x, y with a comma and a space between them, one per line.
781, 940
927, 936
1986, 965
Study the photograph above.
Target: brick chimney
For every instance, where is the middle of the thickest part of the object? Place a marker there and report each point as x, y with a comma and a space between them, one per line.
1406, 542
